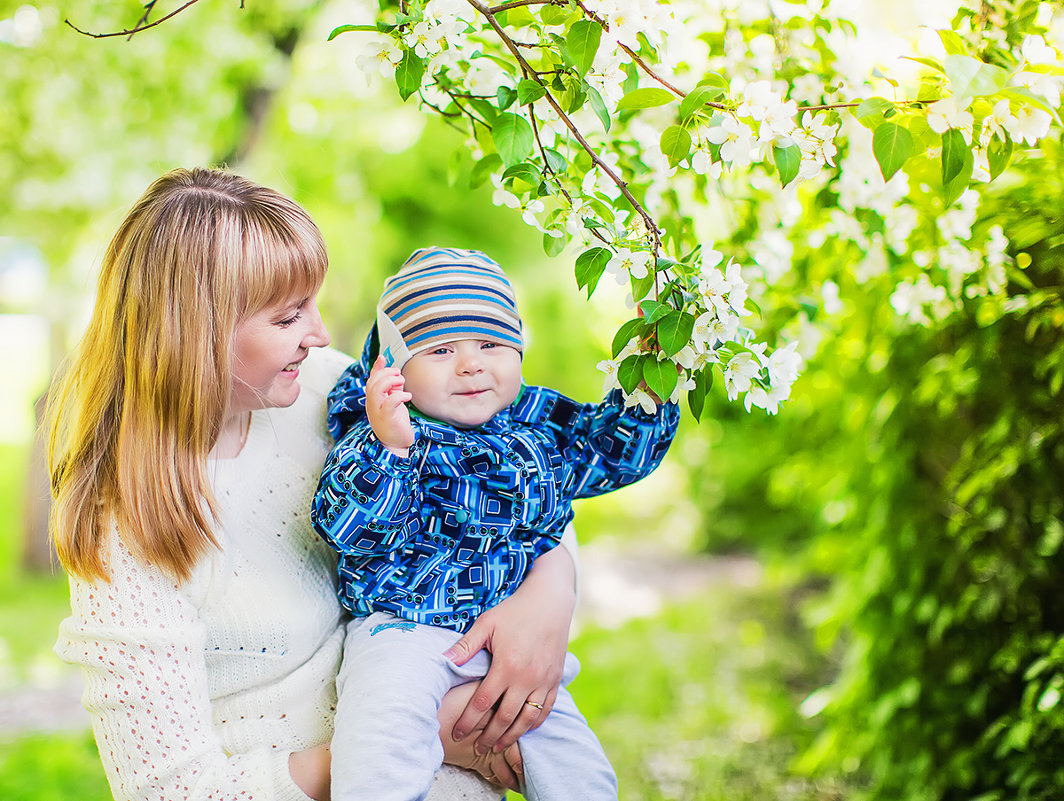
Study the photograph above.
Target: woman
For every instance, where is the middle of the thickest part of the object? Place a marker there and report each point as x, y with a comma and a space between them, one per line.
185, 442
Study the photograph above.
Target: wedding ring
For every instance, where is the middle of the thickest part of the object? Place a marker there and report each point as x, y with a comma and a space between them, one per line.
536, 705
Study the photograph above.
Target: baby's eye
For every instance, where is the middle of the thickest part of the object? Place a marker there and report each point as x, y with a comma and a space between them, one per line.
487, 345
440, 351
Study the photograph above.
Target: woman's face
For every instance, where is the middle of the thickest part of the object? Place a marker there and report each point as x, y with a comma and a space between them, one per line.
268, 347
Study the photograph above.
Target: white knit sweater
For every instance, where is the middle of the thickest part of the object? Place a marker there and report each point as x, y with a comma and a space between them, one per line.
202, 690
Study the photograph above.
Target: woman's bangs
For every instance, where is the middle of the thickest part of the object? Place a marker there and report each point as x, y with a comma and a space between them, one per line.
282, 266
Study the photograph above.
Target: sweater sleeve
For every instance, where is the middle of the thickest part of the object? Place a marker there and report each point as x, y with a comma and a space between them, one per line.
369, 501
609, 445
140, 644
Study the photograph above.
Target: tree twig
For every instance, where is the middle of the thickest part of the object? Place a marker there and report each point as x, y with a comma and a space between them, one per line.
621, 184
136, 29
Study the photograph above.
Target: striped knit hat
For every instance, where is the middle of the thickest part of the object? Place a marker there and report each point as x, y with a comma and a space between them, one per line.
443, 294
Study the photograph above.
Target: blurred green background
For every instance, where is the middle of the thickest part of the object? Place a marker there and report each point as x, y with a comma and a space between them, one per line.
857, 599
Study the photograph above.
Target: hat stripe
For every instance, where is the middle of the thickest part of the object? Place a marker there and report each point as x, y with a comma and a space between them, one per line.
493, 323
454, 311
438, 293
442, 272
442, 337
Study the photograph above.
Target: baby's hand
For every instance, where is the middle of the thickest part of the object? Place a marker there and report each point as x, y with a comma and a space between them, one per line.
386, 408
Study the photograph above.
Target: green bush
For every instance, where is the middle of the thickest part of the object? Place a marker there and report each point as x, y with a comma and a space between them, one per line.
948, 548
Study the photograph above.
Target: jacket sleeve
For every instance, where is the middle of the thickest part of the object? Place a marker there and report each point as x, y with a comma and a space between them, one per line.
369, 500
609, 445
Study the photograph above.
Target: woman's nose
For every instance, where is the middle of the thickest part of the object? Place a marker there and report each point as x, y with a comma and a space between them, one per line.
317, 335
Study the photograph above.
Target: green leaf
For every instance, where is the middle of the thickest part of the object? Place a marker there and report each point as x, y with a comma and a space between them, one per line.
969, 77
346, 28
788, 160
483, 168
956, 186
529, 91
512, 136
654, 310
927, 62
630, 371
674, 332
675, 144
505, 97
642, 286
599, 107
891, 145
953, 150
660, 378
696, 100
952, 42
696, 398
524, 171
554, 15
409, 73
633, 327
555, 160
589, 267
647, 97
582, 41
998, 155
714, 79
872, 110
553, 245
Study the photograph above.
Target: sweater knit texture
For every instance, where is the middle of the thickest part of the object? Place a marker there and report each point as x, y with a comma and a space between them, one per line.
202, 690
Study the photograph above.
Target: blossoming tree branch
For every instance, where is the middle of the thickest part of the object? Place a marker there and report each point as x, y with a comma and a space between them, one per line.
718, 155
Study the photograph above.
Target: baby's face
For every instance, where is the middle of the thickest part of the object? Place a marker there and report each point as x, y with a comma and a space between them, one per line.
465, 382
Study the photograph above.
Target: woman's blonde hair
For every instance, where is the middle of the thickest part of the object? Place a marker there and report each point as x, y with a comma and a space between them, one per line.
145, 394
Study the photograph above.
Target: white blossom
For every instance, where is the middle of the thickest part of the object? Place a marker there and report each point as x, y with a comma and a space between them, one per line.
642, 398
1031, 124
379, 56
627, 262
735, 140
739, 373
610, 367
767, 399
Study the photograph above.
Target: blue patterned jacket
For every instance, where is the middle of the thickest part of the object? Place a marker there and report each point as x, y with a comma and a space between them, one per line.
451, 530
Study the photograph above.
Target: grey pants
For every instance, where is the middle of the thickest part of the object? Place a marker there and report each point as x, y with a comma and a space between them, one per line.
387, 744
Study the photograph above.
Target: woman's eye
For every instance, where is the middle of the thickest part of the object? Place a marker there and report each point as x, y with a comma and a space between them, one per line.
290, 321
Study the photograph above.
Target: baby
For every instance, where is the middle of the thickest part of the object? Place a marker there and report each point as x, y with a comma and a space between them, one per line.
449, 477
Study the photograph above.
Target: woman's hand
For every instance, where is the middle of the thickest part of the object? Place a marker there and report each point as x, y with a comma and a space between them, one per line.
527, 635
310, 771
503, 769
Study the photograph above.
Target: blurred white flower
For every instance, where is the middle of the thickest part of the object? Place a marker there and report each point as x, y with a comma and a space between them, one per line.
379, 57
783, 365
1036, 50
1031, 124
946, 114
